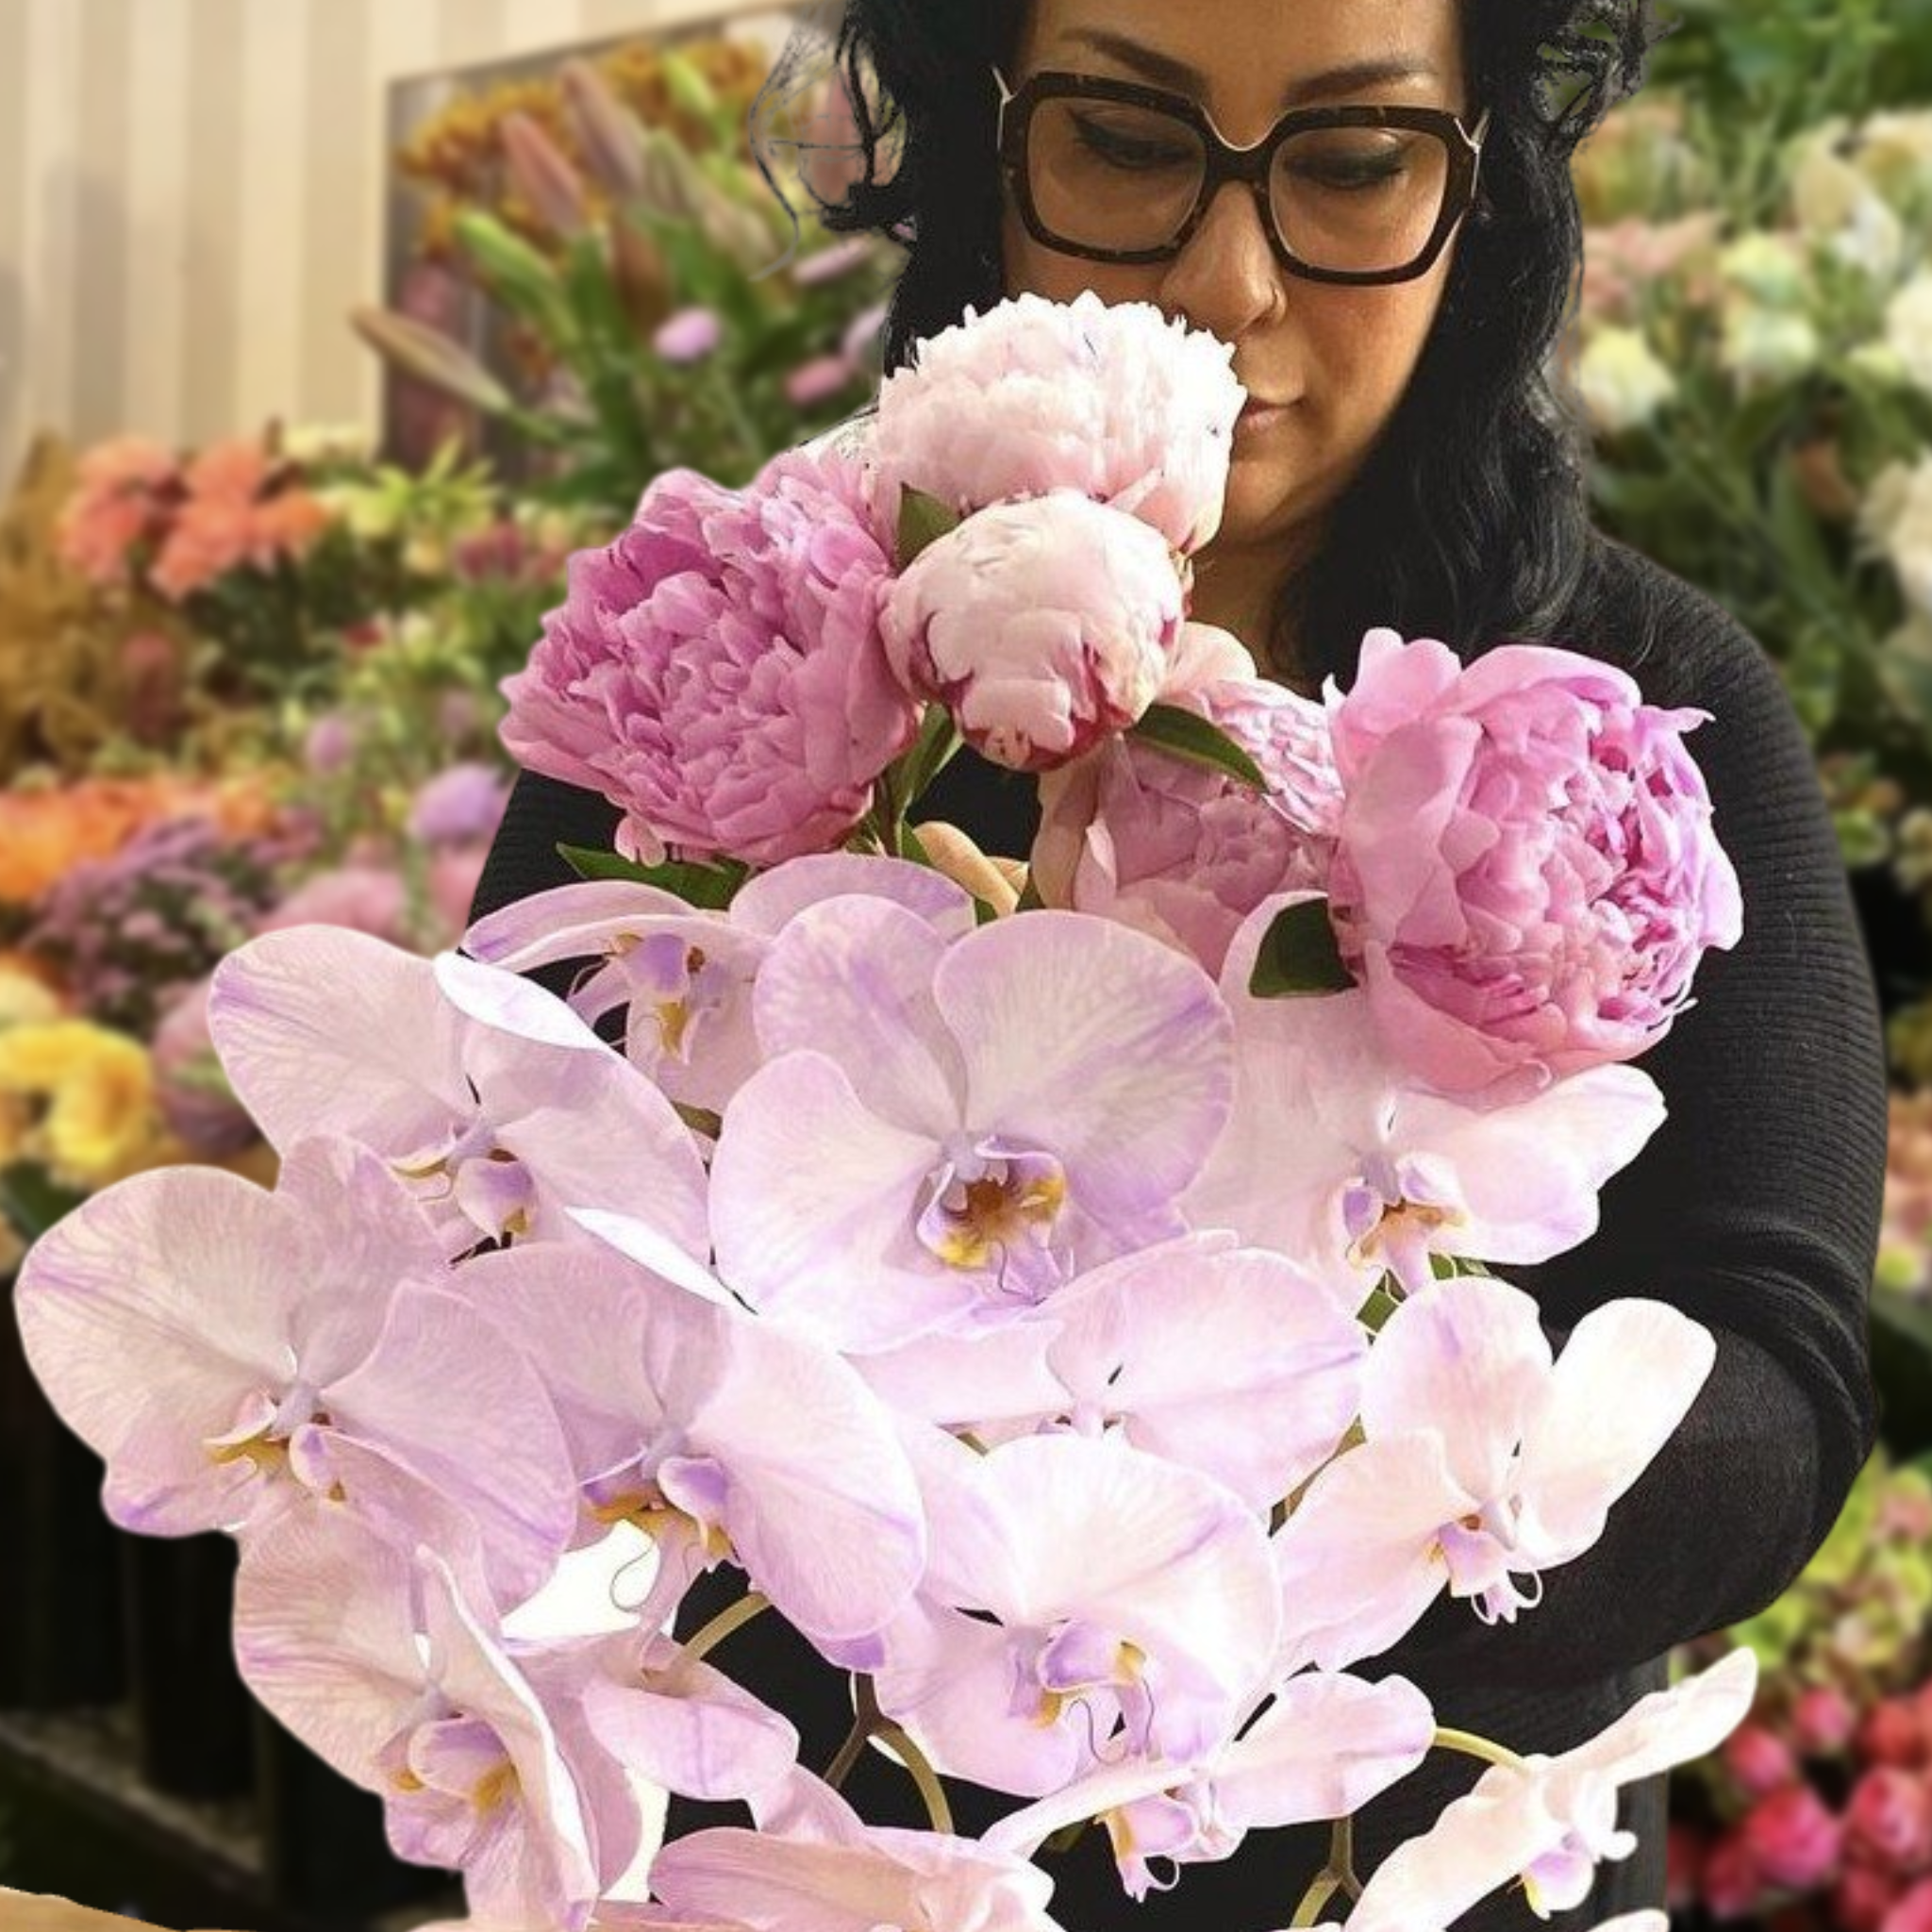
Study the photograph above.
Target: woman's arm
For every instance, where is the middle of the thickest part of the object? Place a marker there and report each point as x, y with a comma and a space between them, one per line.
1754, 1208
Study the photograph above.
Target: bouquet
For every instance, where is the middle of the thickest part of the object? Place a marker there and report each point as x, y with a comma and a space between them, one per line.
1068, 1307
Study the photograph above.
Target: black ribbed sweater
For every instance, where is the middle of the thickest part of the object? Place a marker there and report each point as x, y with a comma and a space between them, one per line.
1754, 1209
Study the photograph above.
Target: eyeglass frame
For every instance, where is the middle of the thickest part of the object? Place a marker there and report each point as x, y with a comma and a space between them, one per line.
1226, 162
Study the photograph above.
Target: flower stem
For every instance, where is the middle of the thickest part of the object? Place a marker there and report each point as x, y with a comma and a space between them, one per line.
921, 1774
725, 1622
864, 1722
1485, 1748
1338, 1874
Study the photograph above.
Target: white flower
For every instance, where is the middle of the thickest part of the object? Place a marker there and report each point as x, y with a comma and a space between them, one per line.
1895, 152
1764, 344
1624, 384
1896, 522
1769, 268
1837, 204
328, 442
1909, 328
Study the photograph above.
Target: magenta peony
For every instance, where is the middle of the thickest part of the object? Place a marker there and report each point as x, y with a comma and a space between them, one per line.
717, 671
1525, 875
1888, 1819
1794, 1837
1135, 834
1042, 626
1112, 400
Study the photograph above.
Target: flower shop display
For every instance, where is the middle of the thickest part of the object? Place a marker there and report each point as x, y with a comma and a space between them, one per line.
951, 1388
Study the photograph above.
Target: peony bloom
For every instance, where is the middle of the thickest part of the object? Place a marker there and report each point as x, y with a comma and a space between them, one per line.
1042, 626
717, 671
1794, 1837
1527, 876
1133, 833
1112, 400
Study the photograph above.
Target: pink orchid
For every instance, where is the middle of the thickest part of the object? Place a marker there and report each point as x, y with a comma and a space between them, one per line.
684, 976
449, 1734
1388, 1175
218, 1345
1131, 1602
718, 1433
1484, 1460
1325, 1745
491, 1097
985, 1116
1551, 1821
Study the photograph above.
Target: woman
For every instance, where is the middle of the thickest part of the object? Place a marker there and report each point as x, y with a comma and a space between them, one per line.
1407, 463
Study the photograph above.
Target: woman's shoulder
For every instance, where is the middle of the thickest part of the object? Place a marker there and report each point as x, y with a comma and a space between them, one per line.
1677, 640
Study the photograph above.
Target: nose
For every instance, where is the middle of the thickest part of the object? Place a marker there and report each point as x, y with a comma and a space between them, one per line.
1227, 279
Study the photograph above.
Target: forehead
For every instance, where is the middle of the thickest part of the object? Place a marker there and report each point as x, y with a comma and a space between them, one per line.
1252, 52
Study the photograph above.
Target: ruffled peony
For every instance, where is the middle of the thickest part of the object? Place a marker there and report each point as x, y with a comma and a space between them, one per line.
1042, 626
1112, 400
1135, 834
1527, 876
716, 671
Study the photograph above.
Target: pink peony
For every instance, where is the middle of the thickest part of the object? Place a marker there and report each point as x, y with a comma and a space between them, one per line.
1133, 833
717, 672
1042, 626
1896, 1732
1822, 1720
1796, 1837
1912, 1913
1863, 1897
1731, 1879
1888, 1819
1111, 400
364, 898
1526, 876
1760, 1759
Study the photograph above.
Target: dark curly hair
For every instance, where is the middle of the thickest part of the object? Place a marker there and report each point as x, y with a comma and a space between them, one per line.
1484, 461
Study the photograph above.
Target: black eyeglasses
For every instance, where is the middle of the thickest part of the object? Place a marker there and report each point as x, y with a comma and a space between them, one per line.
1112, 171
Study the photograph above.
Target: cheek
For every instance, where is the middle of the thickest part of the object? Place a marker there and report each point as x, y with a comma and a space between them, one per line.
1363, 346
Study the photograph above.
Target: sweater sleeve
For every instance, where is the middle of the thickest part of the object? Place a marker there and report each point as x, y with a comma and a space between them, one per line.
1754, 1209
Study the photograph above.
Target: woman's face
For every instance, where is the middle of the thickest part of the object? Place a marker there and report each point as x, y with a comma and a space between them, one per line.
1339, 357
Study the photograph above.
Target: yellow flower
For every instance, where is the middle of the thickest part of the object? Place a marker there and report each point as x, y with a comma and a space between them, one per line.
78, 1099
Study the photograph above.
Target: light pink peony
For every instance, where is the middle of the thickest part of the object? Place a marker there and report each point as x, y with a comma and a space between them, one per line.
1133, 833
1526, 876
1042, 626
1112, 400
717, 672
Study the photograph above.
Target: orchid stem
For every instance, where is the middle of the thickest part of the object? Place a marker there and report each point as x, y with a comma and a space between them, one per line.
1338, 1874
725, 1622
864, 1722
1485, 1748
921, 1774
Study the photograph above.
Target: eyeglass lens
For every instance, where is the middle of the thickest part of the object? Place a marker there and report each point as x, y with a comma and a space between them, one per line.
1109, 175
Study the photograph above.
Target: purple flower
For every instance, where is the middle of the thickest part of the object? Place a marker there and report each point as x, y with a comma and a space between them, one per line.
689, 336
458, 806
717, 672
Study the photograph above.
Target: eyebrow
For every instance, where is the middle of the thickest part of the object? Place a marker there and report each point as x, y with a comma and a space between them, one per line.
1168, 72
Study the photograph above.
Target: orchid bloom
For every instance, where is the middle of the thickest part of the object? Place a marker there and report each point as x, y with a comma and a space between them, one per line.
447, 1730
220, 1346
1482, 1460
1118, 1603
719, 1433
1325, 1745
1386, 1174
1550, 1821
489, 1094
684, 976
981, 1119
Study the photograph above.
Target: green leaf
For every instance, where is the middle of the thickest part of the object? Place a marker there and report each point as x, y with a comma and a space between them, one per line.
939, 739
923, 520
1183, 733
710, 886
31, 1201
1299, 955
